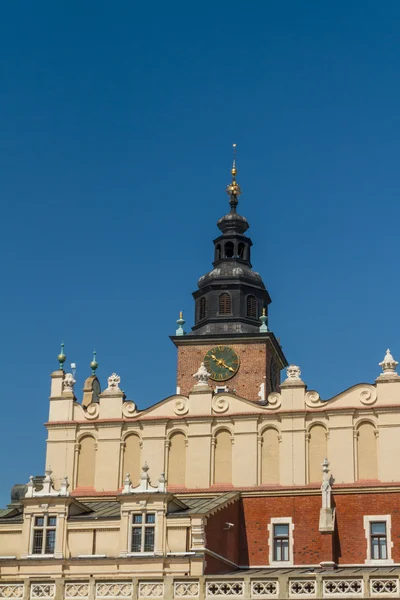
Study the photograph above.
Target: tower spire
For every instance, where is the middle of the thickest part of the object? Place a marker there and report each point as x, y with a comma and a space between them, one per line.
233, 189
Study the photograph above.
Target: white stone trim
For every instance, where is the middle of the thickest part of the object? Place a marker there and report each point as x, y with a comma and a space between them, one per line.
280, 521
368, 519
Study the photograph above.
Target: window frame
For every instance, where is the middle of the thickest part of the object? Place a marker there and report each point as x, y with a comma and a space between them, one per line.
143, 526
46, 528
251, 299
368, 521
227, 295
202, 308
271, 542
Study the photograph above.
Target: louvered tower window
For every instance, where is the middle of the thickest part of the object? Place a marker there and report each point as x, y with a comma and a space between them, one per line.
202, 308
225, 304
252, 307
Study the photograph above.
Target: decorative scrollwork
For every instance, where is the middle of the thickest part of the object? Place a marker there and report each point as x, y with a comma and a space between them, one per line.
76, 591
302, 587
43, 590
343, 587
264, 589
181, 406
225, 588
367, 395
384, 586
190, 589
274, 400
11, 590
312, 399
150, 589
220, 404
92, 411
113, 590
129, 409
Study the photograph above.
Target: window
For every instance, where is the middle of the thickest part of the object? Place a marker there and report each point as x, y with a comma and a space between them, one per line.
251, 306
202, 308
143, 532
229, 249
378, 534
378, 540
225, 304
281, 542
241, 250
44, 535
217, 252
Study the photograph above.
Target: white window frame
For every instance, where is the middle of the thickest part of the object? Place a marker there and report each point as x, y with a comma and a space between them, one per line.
368, 519
280, 521
45, 528
143, 527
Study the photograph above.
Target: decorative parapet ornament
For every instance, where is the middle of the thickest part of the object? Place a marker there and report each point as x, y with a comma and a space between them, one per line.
47, 487
202, 376
113, 383
293, 378
68, 383
144, 486
388, 366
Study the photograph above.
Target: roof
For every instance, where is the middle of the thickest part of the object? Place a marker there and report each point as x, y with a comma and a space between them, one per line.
11, 515
201, 505
99, 510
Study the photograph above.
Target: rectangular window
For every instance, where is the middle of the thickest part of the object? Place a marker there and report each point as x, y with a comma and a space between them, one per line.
44, 535
143, 532
281, 542
378, 540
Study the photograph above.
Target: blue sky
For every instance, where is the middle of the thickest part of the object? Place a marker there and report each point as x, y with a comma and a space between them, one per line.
117, 121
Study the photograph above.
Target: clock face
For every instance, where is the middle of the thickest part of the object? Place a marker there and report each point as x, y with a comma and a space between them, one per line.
222, 362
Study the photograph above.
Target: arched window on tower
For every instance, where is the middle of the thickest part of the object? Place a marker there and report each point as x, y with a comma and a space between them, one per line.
217, 252
202, 308
241, 248
225, 304
229, 249
251, 309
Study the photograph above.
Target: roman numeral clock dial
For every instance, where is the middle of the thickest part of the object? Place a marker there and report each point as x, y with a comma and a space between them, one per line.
222, 362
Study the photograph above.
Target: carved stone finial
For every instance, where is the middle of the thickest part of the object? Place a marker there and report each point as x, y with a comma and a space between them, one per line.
180, 322
202, 376
293, 372
64, 487
264, 319
388, 364
113, 382
47, 488
127, 484
144, 484
162, 483
69, 383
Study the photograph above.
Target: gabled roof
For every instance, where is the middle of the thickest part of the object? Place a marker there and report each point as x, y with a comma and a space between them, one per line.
202, 505
98, 510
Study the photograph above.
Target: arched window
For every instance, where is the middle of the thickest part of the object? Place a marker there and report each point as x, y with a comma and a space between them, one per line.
202, 308
225, 304
270, 457
317, 451
241, 250
229, 249
251, 309
223, 457
86, 462
217, 251
367, 455
177, 460
132, 459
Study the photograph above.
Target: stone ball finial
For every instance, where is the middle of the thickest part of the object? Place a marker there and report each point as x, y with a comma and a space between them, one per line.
94, 364
61, 357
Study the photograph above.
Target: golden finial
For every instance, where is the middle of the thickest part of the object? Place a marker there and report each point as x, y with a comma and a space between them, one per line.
181, 315
233, 189
234, 163
263, 312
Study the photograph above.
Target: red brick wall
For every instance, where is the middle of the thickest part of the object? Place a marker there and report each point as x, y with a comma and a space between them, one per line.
221, 540
347, 546
254, 364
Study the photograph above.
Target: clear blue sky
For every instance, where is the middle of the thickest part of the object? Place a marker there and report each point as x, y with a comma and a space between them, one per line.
116, 125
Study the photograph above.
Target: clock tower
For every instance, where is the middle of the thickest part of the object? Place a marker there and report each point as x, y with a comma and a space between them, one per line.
231, 310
